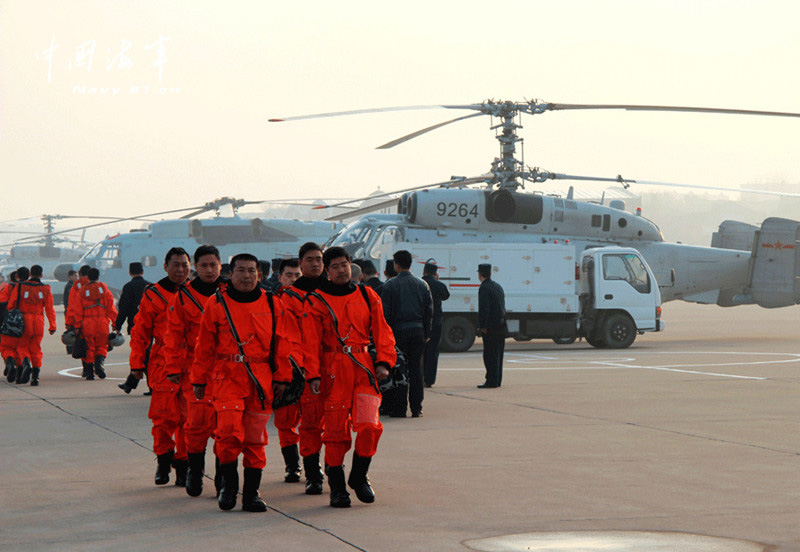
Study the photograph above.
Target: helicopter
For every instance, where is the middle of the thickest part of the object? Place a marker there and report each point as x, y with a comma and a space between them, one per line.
761, 269
45, 249
263, 236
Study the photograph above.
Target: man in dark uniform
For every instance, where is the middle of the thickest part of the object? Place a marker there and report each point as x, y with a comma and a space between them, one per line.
371, 276
439, 292
127, 308
274, 278
131, 297
492, 326
408, 308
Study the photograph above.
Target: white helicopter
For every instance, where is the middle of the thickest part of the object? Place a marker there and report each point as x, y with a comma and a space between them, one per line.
760, 267
232, 233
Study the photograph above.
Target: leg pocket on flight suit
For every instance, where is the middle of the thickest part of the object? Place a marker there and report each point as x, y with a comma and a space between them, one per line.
164, 403
229, 419
366, 409
255, 427
337, 422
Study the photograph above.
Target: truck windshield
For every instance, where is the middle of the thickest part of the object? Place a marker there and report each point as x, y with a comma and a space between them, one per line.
628, 267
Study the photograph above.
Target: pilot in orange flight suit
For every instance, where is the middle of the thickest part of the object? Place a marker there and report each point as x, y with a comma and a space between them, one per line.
95, 311
287, 418
183, 324
8, 345
72, 312
34, 297
350, 392
243, 406
150, 326
311, 419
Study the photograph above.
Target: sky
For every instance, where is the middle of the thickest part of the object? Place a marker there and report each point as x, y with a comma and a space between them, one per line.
122, 108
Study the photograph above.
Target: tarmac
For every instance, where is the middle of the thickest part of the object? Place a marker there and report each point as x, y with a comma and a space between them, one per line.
686, 441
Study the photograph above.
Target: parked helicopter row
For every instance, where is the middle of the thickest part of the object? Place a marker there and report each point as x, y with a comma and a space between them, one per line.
745, 264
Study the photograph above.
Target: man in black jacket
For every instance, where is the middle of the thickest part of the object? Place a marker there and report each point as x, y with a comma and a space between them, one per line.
371, 276
440, 293
127, 308
131, 297
408, 308
492, 326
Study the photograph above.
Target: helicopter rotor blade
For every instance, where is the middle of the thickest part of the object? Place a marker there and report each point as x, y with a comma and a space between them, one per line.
413, 135
457, 181
564, 107
540, 176
362, 210
370, 110
112, 221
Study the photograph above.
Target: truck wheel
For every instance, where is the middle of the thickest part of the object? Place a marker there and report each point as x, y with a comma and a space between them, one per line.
458, 334
619, 331
522, 338
595, 341
564, 340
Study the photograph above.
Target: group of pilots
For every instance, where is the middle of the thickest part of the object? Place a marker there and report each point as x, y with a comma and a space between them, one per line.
218, 351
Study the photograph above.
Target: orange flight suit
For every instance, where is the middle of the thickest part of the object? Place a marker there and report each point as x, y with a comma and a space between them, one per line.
34, 298
183, 324
150, 325
73, 309
8, 345
95, 311
241, 415
287, 418
351, 401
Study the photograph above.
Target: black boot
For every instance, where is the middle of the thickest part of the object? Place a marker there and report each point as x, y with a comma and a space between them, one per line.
99, 367
24, 373
230, 485
130, 384
313, 474
88, 370
11, 370
340, 498
217, 476
181, 467
194, 476
35, 377
291, 457
358, 480
251, 498
164, 464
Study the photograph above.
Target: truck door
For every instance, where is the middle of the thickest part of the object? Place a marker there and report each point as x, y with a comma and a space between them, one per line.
623, 283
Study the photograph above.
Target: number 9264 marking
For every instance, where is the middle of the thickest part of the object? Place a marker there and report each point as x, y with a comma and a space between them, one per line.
462, 210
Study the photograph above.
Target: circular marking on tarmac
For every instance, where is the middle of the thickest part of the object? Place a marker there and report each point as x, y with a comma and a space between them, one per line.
611, 541
68, 372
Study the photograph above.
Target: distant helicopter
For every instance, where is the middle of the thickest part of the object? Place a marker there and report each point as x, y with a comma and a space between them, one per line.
46, 249
450, 212
265, 237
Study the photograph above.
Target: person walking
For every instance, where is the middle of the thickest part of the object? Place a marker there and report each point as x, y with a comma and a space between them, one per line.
149, 330
408, 308
339, 320
35, 300
242, 330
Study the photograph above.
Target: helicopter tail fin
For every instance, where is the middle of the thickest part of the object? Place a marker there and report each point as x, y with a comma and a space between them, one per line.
775, 263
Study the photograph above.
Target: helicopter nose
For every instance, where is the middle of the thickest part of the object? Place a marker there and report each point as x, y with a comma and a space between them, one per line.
60, 272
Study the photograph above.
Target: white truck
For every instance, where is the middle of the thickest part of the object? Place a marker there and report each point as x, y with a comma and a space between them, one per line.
605, 294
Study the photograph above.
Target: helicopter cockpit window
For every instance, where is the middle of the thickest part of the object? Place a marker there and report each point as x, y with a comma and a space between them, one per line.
354, 237
384, 241
107, 257
628, 267
149, 260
